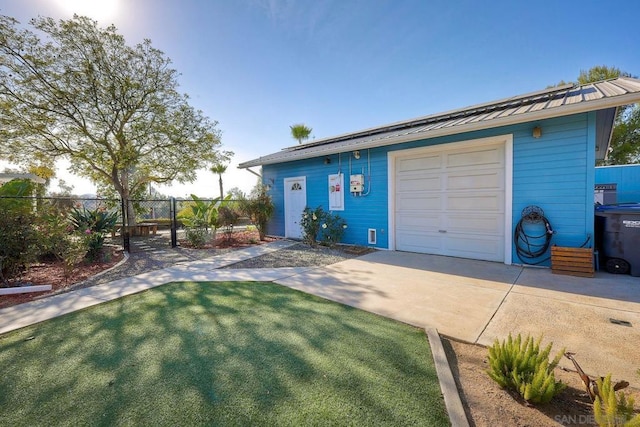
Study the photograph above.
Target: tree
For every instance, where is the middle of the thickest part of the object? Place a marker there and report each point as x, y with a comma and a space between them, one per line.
219, 168
625, 140
300, 132
598, 73
113, 110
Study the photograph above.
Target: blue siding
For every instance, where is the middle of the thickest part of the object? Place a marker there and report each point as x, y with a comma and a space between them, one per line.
627, 178
554, 172
360, 212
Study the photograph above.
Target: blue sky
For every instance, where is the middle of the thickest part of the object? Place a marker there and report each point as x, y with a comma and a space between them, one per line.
258, 66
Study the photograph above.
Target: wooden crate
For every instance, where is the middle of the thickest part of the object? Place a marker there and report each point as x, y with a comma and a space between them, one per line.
572, 261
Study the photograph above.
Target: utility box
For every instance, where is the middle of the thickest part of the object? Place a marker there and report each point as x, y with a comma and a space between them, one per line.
605, 194
356, 183
617, 235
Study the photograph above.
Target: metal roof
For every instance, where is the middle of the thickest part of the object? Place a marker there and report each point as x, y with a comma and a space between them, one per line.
553, 102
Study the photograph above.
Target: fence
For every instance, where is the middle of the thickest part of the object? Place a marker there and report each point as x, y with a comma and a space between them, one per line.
137, 219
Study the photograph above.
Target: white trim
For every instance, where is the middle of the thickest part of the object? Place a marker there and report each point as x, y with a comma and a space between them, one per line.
506, 139
508, 198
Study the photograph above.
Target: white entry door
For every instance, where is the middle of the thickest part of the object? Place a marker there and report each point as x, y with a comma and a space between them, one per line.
295, 200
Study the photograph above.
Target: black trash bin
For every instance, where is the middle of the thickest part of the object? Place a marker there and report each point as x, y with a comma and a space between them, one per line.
617, 235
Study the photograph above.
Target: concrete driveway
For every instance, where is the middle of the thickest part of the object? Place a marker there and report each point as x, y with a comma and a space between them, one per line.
478, 302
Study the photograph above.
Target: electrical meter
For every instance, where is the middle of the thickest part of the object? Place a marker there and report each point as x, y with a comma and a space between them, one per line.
356, 183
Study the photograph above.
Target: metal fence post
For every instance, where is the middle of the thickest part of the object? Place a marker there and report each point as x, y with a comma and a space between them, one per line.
174, 225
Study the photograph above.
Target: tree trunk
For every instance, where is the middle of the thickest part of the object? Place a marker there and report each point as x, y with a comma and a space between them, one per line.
220, 182
122, 186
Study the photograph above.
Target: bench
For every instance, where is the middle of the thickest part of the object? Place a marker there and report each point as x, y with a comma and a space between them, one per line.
142, 229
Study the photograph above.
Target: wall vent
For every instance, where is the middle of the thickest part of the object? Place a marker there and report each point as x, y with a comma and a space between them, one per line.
371, 236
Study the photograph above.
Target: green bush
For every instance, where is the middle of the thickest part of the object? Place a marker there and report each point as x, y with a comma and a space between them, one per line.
197, 236
332, 229
611, 410
259, 208
311, 222
91, 224
523, 367
318, 225
227, 218
18, 243
95, 220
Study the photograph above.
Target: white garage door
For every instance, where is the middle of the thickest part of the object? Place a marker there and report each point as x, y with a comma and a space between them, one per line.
451, 201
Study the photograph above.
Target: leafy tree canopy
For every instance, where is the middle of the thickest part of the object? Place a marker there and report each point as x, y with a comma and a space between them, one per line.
112, 109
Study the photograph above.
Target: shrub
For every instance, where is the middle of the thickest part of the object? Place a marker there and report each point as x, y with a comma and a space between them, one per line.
318, 225
197, 236
96, 220
72, 253
18, 243
613, 410
259, 208
332, 229
522, 367
310, 223
227, 218
91, 224
53, 229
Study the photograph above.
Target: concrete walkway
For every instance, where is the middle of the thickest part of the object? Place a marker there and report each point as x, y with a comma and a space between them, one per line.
479, 302
473, 301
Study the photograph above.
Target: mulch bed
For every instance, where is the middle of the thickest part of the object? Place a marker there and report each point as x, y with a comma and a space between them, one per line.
51, 272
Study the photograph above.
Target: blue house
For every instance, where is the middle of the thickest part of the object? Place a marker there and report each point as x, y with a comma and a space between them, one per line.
456, 183
622, 181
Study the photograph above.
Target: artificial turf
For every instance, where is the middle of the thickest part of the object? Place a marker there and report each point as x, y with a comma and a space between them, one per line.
224, 353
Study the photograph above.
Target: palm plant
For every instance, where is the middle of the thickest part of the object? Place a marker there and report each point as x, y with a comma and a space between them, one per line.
300, 132
219, 169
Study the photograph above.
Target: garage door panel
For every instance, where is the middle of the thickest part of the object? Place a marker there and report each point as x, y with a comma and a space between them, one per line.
420, 221
474, 202
477, 247
412, 241
420, 202
480, 180
477, 224
419, 183
421, 163
477, 157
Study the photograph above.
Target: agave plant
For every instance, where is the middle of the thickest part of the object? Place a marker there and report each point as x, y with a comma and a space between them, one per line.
96, 221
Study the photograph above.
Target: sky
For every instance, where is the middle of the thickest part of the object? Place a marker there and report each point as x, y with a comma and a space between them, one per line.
338, 66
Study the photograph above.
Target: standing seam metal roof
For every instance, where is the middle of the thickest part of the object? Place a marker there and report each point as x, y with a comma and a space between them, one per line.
552, 102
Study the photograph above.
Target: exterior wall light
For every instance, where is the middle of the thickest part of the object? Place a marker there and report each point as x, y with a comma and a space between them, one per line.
537, 132
356, 154
327, 160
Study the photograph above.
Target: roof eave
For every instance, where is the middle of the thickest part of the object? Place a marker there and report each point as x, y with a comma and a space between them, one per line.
564, 110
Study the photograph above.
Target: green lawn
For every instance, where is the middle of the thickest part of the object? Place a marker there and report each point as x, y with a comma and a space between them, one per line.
232, 353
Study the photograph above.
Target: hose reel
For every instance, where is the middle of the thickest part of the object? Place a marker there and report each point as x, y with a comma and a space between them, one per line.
532, 236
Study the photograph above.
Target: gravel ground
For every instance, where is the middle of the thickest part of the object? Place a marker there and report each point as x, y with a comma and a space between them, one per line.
158, 254
298, 255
